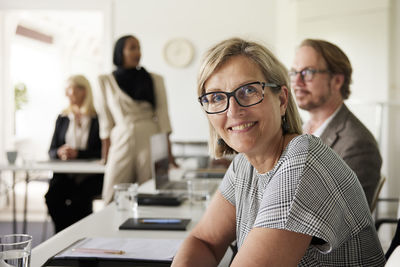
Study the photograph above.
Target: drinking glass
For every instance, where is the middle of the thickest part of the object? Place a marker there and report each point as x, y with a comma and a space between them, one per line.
125, 196
15, 250
198, 191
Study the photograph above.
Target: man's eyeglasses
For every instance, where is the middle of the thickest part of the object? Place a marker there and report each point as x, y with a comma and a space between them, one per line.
246, 95
306, 74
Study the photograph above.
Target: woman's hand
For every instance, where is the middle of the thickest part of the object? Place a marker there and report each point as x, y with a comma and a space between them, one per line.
171, 158
66, 152
172, 162
206, 244
105, 147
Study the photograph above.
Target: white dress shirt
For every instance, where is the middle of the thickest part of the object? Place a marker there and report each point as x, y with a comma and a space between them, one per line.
318, 132
77, 135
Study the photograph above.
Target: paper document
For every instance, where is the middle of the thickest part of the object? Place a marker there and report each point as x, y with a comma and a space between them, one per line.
123, 248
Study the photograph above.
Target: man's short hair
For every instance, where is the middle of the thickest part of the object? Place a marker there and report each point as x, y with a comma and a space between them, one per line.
336, 60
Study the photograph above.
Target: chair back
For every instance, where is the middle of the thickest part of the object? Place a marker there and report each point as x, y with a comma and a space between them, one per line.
394, 249
377, 192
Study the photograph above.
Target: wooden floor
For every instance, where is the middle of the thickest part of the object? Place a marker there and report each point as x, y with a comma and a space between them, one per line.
39, 224
40, 231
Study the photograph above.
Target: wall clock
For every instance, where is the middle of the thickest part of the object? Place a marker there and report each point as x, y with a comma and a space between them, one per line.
178, 52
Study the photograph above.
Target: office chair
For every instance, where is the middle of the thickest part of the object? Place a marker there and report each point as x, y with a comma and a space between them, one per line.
375, 207
395, 242
377, 192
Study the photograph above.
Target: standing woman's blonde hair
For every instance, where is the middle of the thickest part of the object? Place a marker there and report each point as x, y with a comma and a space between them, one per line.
273, 70
87, 107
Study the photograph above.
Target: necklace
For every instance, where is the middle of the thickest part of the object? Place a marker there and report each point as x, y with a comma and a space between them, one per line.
279, 151
277, 155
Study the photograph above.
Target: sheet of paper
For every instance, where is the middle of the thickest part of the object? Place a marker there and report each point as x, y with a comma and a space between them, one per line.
133, 248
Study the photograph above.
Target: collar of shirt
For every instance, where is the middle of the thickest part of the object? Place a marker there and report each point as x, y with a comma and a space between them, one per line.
318, 132
76, 136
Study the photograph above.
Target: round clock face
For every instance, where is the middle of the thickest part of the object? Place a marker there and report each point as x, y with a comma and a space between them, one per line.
178, 53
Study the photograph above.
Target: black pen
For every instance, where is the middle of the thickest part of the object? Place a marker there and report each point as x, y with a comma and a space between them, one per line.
160, 221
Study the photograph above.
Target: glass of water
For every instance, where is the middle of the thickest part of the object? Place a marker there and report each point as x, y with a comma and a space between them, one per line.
15, 250
198, 191
125, 196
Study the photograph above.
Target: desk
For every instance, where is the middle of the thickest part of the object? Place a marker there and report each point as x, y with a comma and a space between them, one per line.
58, 166
105, 223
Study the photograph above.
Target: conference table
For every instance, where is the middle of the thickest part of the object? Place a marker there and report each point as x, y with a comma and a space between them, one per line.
55, 166
105, 223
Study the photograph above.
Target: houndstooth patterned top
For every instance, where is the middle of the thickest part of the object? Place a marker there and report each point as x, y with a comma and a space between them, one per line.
311, 191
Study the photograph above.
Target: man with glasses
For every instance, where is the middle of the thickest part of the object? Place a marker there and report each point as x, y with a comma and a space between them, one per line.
320, 78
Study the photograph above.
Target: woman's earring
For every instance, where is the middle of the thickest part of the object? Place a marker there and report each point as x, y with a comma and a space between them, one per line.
220, 141
285, 124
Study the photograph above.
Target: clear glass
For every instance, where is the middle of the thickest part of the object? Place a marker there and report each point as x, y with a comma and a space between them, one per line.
15, 250
198, 191
125, 196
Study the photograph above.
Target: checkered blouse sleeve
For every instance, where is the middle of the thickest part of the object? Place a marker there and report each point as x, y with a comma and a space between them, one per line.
315, 193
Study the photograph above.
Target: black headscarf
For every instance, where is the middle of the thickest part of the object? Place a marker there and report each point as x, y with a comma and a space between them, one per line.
136, 82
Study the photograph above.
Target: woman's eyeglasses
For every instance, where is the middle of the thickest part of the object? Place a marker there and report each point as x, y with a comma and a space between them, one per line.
246, 95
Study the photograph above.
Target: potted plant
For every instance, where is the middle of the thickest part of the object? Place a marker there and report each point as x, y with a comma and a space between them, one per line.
20, 99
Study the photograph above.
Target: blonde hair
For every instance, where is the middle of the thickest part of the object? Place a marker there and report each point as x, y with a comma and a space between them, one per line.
273, 70
81, 81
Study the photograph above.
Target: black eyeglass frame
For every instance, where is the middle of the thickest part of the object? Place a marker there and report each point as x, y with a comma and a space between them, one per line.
233, 94
293, 73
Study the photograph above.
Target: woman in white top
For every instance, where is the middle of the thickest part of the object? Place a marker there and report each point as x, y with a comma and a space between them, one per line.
132, 106
76, 136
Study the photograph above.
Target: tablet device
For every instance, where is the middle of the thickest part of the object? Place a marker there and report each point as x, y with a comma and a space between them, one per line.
175, 224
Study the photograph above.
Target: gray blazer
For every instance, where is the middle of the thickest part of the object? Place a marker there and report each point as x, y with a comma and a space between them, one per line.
348, 137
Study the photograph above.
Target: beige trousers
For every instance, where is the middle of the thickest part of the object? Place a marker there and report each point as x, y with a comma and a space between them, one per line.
129, 156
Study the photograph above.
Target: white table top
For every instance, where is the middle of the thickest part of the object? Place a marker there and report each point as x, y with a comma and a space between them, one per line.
105, 223
71, 166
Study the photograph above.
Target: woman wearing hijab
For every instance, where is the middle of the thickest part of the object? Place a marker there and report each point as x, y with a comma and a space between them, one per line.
132, 106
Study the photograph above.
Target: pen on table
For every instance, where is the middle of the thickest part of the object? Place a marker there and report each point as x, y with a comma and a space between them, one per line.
161, 221
98, 250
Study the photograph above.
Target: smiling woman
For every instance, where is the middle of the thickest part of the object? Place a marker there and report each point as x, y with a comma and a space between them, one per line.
283, 191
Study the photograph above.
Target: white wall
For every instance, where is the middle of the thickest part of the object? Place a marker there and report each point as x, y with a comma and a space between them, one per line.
203, 23
6, 100
393, 140
2, 92
41, 127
